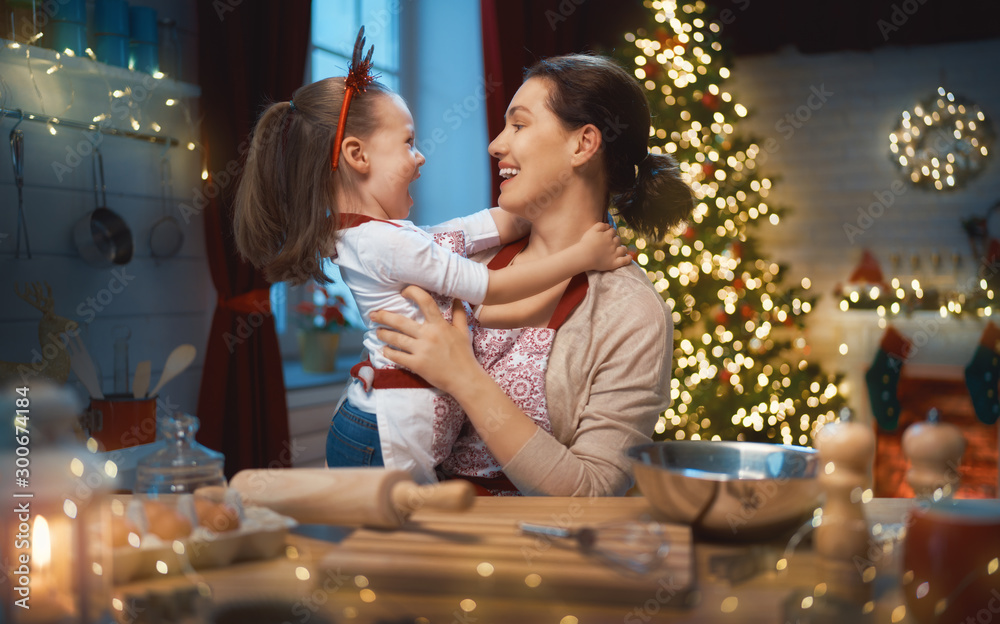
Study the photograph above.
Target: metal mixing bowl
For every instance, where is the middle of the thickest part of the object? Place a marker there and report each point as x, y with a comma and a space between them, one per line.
729, 490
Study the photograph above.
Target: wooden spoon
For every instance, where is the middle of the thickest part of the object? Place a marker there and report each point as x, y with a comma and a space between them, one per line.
140, 383
178, 360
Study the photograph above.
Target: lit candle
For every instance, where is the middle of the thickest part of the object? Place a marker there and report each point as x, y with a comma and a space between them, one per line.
41, 583
51, 585
44, 606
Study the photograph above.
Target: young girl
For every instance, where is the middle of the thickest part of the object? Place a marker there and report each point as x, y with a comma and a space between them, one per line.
327, 175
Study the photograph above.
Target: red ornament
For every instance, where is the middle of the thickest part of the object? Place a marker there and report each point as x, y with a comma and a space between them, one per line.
690, 233
663, 36
737, 248
725, 376
710, 100
746, 311
720, 318
708, 170
635, 254
738, 284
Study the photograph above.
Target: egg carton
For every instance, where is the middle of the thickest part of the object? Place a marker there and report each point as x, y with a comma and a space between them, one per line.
260, 535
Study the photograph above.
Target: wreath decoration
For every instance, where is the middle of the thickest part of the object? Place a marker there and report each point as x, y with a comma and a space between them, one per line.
942, 142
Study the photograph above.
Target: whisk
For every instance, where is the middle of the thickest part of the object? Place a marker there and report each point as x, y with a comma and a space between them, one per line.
639, 547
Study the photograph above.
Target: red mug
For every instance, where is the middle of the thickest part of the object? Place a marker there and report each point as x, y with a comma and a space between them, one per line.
950, 562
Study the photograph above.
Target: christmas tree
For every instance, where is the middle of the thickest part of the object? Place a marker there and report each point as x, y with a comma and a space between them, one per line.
740, 357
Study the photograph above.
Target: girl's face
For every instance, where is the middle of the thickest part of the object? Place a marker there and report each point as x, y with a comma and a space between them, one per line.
395, 160
534, 150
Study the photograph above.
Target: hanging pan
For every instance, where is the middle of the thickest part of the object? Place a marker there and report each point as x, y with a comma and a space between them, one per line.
102, 237
166, 235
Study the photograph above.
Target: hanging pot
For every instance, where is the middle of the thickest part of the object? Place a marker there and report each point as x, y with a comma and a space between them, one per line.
166, 236
102, 237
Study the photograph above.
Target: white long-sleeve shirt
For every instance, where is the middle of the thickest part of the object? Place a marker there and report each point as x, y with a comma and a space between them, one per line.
378, 259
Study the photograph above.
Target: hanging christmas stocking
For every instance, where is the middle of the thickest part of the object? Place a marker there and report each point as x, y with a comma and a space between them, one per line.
883, 377
982, 373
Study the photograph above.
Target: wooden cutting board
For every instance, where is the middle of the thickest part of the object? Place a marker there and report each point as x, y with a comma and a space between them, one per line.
481, 551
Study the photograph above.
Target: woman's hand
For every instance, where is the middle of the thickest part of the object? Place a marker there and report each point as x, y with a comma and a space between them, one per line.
437, 350
441, 353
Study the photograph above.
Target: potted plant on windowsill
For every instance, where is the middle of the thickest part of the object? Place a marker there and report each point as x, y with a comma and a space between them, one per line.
321, 320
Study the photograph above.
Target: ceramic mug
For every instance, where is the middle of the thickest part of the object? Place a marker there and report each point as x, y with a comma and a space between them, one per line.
950, 562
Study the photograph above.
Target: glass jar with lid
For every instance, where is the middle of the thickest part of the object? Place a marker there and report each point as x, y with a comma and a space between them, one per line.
182, 465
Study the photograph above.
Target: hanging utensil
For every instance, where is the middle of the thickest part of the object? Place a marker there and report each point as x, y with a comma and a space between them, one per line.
122, 335
140, 383
17, 160
638, 547
178, 360
166, 235
83, 365
102, 237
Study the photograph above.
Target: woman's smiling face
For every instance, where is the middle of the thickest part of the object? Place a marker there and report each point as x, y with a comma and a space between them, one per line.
534, 150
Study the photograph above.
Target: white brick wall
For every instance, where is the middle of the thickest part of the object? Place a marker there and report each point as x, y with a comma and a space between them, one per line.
165, 302
838, 158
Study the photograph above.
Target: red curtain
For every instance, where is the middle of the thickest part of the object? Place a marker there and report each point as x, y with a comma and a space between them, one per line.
249, 53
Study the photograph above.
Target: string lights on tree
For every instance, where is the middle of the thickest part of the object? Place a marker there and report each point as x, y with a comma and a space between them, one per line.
741, 368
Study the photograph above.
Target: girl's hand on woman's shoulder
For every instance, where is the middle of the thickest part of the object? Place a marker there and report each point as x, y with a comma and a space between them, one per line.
437, 350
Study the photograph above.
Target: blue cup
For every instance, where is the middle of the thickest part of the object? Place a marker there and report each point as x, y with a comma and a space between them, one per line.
111, 18
111, 49
66, 36
68, 11
144, 57
142, 25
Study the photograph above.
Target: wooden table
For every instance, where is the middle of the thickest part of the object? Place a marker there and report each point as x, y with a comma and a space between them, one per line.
339, 575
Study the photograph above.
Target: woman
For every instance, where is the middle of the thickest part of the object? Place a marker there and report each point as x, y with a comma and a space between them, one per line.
566, 380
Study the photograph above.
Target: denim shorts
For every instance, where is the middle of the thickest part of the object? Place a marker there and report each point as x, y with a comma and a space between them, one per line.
353, 439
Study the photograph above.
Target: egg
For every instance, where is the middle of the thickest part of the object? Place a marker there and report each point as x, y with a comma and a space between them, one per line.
165, 522
120, 529
214, 516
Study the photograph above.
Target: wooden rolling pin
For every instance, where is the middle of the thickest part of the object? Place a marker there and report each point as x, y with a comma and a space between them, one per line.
373, 497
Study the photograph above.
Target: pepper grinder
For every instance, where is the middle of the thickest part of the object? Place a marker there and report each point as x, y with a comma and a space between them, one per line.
846, 451
934, 449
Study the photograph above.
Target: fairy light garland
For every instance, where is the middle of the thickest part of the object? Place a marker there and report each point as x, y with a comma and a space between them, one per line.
943, 142
902, 298
116, 96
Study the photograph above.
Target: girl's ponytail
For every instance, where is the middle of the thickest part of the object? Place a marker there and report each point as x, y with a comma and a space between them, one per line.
285, 212
260, 214
658, 199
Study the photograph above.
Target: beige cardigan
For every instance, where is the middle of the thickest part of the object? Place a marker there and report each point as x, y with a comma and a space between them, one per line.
608, 379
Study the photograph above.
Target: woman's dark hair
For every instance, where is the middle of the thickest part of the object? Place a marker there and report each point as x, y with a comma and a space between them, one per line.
284, 213
646, 189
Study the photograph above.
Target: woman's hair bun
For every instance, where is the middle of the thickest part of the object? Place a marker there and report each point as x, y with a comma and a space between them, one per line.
659, 198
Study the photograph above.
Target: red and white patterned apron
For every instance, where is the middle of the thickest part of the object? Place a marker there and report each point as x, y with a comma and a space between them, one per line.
418, 424
517, 360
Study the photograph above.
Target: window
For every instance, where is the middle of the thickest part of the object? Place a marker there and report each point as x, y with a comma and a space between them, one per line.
435, 45
335, 25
